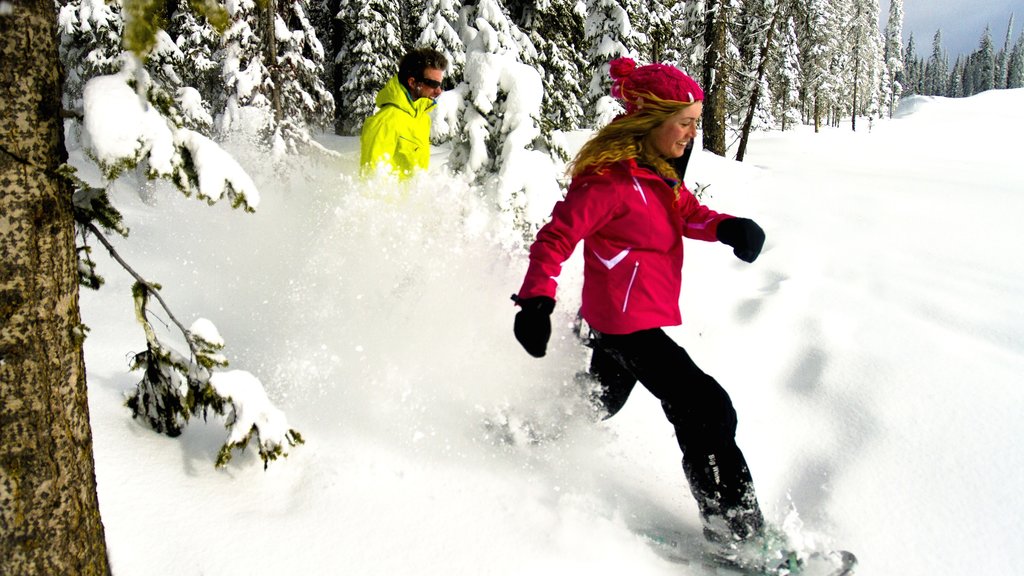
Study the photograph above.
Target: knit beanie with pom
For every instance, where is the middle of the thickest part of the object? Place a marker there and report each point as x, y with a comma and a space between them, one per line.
630, 82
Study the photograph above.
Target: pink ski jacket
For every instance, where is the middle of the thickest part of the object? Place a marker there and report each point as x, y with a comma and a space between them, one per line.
632, 228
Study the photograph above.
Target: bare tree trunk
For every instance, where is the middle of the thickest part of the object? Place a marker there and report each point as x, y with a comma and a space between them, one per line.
755, 94
817, 113
856, 83
49, 514
714, 80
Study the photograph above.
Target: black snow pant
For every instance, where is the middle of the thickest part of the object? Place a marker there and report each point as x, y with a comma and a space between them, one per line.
703, 417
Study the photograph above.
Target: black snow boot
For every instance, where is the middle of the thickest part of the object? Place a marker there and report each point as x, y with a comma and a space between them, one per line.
724, 490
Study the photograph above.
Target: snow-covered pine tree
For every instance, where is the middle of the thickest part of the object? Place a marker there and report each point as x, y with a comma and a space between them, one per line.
787, 84
90, 44
867, 59
969, 78
828, 40
659, 20
956, 79
759, 21
555, 28
242, 103
368, 51
1003, 56
936, 69
912, 72
133, 125
688, 39
301, 101
498, 128
197, 42
893, 53
608, 35
1015, 65
985, 64
439, 22
321, 16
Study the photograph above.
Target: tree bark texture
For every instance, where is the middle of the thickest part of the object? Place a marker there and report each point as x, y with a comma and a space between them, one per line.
49, 513
715, 81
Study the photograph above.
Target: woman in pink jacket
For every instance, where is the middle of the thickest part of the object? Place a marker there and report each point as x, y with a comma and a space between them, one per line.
629, 208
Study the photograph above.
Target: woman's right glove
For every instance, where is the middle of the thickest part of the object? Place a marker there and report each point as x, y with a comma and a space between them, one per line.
744, 235
533, 323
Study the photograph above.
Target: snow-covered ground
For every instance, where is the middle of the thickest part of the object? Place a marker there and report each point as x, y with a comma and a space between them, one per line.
874, 353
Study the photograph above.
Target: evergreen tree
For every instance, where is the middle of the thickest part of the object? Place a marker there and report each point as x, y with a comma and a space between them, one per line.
1003, 57
911, 69
243, 71
608, 35
762, 18
301, 101
689, 36
937, 69
955, 85
556, 29
198, 69
368, 51
969, 79
821, 58
893, 56
90, 34
321, 16
439, 22
867, 59
49, 512
985, 64
1015, 65
499, 129
145, 93
787, 94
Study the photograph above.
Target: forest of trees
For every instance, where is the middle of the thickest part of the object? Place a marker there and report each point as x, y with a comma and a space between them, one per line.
766, 64
990, 67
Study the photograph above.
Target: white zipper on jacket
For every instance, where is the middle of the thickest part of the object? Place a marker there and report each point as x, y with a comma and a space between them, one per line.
625, 302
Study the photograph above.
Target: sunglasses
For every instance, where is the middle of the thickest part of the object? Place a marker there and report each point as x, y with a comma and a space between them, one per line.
430, 83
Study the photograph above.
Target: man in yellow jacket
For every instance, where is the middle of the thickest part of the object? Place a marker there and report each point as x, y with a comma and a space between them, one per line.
399, 133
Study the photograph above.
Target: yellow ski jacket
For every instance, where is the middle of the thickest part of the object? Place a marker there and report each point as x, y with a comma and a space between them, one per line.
399, 133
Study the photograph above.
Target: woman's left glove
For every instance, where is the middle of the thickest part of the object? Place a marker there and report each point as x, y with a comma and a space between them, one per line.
744, 235
533, 323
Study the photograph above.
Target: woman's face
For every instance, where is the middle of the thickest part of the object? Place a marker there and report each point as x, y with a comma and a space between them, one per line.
669, 139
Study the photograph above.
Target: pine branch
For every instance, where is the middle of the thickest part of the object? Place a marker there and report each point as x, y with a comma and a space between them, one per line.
149, 286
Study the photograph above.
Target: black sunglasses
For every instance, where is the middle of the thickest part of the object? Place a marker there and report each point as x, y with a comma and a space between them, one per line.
428, 82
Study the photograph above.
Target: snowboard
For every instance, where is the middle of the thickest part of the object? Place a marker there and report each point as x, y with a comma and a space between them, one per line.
724, 561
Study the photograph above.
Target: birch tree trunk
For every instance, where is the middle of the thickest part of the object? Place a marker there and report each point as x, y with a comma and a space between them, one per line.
49, 514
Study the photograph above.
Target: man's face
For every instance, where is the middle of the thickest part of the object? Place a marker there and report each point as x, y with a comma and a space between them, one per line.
429, 86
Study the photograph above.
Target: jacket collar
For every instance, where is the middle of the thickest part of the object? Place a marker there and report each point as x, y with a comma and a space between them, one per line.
394, 94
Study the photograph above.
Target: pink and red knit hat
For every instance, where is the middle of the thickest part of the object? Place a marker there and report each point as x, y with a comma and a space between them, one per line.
629, 82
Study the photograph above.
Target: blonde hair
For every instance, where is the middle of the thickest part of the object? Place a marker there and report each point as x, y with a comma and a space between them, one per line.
625, 138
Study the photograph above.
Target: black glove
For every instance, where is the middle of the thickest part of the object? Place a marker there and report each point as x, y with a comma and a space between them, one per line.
533, 323
744, 235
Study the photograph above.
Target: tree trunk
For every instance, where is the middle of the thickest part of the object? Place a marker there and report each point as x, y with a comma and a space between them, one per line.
714, 80
755, 93
270, 43
49, 514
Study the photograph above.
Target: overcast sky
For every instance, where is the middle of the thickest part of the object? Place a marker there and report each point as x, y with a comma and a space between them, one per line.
962, 23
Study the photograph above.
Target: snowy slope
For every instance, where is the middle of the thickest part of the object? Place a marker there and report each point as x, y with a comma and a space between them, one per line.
873, 353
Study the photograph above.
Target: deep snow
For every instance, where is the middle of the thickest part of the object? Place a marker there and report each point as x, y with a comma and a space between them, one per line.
873, 352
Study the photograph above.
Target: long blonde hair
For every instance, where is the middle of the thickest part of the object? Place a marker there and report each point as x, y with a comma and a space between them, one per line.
626, 138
